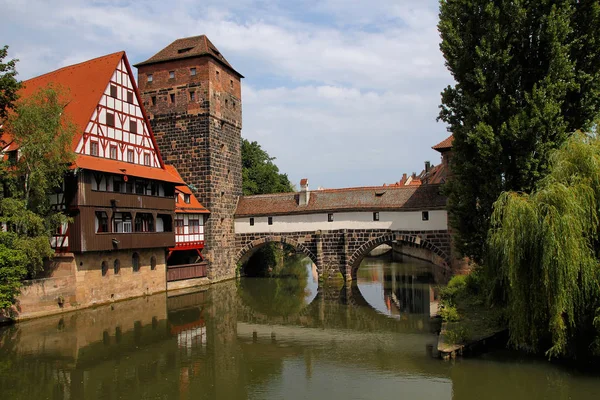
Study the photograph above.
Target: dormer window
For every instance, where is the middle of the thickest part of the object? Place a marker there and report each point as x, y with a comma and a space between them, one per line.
184, 50
149, 77
186, 198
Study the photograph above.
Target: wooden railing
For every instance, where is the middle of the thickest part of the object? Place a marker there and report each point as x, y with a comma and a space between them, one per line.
186, 271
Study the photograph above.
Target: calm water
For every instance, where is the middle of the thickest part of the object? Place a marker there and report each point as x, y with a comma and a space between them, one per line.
269, 339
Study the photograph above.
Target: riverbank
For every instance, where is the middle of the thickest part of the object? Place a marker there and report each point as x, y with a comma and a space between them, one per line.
470, 326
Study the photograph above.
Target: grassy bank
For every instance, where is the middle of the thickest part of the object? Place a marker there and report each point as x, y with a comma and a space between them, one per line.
465, 312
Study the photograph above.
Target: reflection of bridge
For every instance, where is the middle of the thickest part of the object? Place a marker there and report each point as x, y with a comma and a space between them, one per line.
337, 228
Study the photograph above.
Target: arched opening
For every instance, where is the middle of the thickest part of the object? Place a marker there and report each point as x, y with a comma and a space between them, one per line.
153, 263
104, 268
272, 259
135, 262
117, 266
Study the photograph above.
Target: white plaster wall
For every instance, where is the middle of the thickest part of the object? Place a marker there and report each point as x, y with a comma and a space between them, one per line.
395, 220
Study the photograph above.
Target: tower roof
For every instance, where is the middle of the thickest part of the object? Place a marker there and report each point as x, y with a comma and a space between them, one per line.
194, 46
445, 144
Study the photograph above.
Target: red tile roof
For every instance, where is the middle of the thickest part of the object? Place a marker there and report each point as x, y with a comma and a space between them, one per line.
84, 84
303, 181
124, 168
378, 198
445, 144
194, 46
194, 205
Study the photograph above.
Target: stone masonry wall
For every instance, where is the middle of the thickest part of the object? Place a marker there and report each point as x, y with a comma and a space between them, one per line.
343, 250
201, 137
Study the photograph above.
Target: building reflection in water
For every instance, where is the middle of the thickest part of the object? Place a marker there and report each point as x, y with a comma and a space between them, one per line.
399, 289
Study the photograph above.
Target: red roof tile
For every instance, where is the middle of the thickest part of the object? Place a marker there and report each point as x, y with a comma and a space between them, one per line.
125, 168
194, 46
405, 198
84, 84
194, 205
445, 144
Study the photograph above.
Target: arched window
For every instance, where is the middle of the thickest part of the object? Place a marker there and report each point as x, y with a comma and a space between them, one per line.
104, 268
135, 261
152, 263
117, 266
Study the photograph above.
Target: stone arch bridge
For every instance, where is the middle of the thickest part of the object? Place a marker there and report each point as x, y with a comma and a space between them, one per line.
343, 249
336, 228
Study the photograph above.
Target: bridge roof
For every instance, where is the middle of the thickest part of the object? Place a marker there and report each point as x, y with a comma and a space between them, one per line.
378, 198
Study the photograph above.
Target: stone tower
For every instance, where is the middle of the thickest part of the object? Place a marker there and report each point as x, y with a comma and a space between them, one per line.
193, 99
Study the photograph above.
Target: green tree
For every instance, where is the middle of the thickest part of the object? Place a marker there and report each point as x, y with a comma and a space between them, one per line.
9, 85
544, 251
527, 75
259, 174
44, 136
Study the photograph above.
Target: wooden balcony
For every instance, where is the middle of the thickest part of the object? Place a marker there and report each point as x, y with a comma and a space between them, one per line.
186, 271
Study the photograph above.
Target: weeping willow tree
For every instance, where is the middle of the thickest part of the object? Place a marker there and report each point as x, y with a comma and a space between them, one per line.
544, 252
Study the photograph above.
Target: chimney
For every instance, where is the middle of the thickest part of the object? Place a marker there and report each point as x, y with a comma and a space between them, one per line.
304, 193
427, 166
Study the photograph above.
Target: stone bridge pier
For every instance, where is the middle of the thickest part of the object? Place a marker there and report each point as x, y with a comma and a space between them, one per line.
341, 251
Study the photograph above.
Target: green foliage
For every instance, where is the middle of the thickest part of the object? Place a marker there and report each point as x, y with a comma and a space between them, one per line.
544, 249
449, 314
456, 333
527, 75
259, 174
8, 83
44, 137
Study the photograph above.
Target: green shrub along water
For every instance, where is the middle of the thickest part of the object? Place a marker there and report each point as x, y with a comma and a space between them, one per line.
543, 253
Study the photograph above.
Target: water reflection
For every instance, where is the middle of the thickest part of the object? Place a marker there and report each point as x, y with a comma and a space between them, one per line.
258, 339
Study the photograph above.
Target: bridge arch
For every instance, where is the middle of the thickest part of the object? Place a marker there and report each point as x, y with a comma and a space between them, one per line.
248, 250
436, 256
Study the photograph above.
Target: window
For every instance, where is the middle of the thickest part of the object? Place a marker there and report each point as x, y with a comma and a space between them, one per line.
179, 228
146, 158
104, 268
251, 221
231, 83
113, 91
375, 216
149, 77
192, 71
140, 186
330, 217
144, 222
101, 222
176, 197
192, 96
133, 126
217, 74
130, 156
186, 198
153, 263
171, 74
425, 215
153, 100
172, 97
13, 156
135, 262
117, 266
94, 148
194, 226
130, 97
270, 220
122, 222
110, 119
113, 152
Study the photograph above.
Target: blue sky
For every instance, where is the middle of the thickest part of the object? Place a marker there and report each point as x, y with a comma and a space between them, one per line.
342, 92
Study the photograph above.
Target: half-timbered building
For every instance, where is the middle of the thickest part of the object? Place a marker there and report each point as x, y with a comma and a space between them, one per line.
119, 194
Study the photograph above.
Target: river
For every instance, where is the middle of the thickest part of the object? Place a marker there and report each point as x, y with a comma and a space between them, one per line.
261, 338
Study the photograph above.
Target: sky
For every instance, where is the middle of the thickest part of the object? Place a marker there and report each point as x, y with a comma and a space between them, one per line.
342, 92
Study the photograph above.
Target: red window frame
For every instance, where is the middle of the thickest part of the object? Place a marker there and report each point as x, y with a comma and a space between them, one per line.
194, 226
179, 227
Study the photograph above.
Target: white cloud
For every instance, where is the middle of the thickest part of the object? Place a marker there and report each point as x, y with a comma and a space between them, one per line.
342, 92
